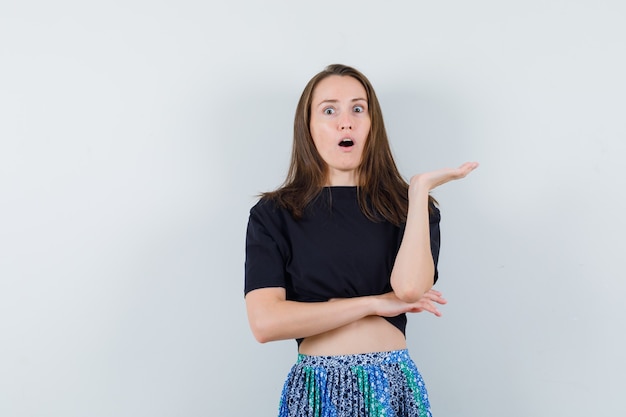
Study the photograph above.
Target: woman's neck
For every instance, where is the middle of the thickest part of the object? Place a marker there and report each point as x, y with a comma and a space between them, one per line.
342, 179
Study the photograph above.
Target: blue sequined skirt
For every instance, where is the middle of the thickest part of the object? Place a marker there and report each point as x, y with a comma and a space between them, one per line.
362, 385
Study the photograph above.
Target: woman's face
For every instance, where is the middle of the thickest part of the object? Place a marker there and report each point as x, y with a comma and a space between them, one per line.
340, 124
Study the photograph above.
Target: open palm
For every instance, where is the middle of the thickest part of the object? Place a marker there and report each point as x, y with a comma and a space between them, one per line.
432, 179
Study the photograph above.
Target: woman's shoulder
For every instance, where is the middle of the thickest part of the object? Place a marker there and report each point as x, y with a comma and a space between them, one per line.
269, 209
286, 202
265, 205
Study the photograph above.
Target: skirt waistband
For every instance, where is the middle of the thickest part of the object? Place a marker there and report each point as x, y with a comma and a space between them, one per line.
357, 359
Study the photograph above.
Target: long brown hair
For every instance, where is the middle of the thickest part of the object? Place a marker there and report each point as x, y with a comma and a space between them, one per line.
383, 193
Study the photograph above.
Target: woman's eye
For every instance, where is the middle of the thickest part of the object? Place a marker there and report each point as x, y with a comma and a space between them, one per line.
329, 110
359, 109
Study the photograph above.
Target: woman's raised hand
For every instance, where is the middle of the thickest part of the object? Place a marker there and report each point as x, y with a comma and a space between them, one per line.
433, 179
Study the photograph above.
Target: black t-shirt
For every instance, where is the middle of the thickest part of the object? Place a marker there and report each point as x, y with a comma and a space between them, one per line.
333, 251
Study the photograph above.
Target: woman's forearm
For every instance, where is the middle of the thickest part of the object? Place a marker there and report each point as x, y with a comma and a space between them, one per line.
272, 317
413, 271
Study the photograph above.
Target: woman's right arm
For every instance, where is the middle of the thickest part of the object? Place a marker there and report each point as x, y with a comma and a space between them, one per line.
272, 317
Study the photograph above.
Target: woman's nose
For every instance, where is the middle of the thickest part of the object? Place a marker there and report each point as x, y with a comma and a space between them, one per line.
345, 123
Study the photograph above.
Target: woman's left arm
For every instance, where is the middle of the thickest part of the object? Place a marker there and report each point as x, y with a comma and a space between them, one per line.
413, 271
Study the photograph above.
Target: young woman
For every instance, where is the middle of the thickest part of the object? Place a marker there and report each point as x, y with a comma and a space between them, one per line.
340, 252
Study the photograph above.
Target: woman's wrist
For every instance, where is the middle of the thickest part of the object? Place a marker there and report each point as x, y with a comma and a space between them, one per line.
418, 191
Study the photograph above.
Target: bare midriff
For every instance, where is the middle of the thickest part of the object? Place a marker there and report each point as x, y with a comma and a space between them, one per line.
369, 334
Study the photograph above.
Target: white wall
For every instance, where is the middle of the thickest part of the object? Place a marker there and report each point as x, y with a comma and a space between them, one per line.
135, 134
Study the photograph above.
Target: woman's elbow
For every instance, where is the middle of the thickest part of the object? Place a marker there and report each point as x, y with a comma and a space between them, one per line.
409, 295
262, 315
412, 292
262, 330
261, 338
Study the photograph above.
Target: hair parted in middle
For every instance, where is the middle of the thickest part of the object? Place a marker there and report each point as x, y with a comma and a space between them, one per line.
382, 192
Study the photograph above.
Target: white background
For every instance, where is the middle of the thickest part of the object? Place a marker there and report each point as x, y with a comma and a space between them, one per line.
136, 134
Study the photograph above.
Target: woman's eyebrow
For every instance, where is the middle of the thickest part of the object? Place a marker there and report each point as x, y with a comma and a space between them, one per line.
333, 101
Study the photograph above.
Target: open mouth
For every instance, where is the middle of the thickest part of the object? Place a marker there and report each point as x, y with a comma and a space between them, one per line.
346, 143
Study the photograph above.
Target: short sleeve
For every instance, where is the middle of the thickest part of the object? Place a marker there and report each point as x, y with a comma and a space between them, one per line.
265, 264
435, 236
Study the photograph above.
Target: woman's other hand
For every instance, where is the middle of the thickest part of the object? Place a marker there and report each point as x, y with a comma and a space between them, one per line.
390, 305
433, 179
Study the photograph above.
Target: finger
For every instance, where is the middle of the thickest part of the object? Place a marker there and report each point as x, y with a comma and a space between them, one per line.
440, 300
467, 167
434, 311
430, 307
436, 297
